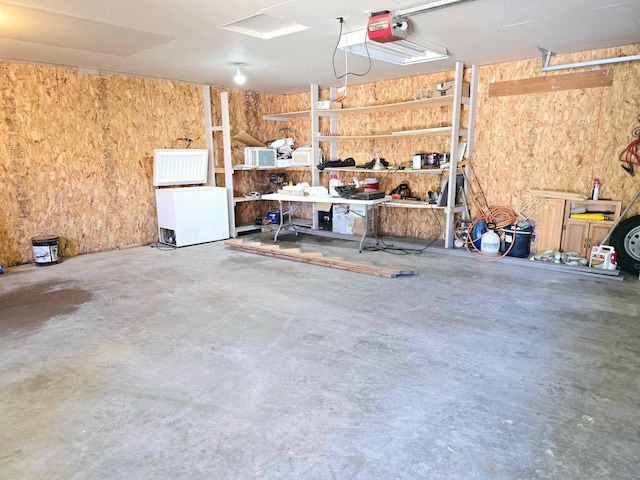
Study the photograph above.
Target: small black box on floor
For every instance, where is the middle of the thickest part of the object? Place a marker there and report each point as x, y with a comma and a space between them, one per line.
325, 216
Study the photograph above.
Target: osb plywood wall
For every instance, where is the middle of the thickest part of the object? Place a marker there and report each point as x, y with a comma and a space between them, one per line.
397, 151
557, 140
246, 111
547, 141
77, 155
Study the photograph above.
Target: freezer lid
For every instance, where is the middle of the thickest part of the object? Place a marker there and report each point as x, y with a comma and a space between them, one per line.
180, 166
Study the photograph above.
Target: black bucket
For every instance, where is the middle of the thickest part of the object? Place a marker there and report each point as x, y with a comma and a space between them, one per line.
521, 244
45, 250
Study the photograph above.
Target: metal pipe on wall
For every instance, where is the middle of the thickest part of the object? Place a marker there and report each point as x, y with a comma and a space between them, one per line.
591, 63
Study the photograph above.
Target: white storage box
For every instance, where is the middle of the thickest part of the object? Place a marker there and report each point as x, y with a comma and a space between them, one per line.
342, 220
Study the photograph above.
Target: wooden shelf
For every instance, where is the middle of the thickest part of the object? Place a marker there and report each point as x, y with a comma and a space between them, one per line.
432, 171
253, 169
455, 132
245, 199
411, 204
248, 228
584, 220
425, 102
437, 131
285, 116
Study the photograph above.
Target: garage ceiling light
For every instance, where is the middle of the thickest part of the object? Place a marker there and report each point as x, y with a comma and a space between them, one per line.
239, 77
401, 52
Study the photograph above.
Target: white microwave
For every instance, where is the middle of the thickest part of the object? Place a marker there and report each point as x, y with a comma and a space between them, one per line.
260, 156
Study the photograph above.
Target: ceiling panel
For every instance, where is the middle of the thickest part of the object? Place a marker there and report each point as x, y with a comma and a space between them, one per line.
478, 31
319, 14
38, 26
564, 33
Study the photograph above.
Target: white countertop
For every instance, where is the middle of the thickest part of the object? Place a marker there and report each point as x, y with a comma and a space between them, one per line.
322, 199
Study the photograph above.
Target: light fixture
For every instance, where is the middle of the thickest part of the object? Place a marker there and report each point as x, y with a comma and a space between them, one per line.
428, 7
239, 77
400, 52
264, 26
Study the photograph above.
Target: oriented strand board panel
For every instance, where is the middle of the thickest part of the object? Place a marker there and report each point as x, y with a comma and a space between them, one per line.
427, 224
246, 109
553, 140
553, 83
558, 140
78, 156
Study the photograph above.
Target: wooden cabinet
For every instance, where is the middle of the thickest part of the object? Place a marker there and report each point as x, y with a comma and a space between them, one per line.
550, 224
579, 235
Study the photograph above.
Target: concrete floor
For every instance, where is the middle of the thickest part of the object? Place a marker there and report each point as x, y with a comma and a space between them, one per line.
204, 363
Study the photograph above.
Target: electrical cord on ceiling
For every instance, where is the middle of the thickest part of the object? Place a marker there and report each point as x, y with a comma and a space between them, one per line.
335, 50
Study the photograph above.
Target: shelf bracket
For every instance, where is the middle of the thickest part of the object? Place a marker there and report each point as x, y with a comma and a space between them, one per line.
545, 57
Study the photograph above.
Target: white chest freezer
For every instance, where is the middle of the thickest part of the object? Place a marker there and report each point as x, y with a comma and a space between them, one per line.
191, 215
188, 215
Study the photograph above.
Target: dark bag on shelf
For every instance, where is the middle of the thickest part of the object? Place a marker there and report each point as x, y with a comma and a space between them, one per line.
347, 162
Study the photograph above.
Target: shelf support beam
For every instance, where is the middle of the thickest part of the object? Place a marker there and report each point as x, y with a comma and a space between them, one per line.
453, 155
228, 167
208, 128
315, 147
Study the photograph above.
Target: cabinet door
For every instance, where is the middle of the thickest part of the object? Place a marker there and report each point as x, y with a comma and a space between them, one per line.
549, 225
597, 232
575, 238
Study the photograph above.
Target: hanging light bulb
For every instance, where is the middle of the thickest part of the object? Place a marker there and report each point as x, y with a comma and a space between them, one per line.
239, 77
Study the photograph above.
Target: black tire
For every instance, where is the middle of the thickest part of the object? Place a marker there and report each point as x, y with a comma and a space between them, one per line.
626, 240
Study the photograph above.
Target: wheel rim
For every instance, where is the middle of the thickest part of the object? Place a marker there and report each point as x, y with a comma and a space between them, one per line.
632, 243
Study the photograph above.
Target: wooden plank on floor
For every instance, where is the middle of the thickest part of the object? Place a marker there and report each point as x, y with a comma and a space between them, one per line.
318, 259
553, 83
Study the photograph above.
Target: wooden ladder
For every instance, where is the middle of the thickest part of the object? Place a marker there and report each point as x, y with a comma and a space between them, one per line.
476, 194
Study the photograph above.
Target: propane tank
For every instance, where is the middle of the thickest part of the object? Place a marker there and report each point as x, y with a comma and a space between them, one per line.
490, 242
